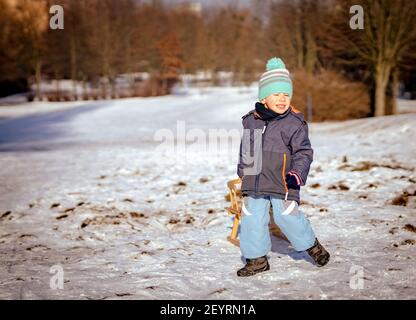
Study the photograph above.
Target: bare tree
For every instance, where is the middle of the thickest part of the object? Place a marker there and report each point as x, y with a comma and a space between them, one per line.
32, 19
293, 32
389, 31
171, 56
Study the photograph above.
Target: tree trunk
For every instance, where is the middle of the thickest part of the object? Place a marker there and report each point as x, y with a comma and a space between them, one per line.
57, 96
73, 58
154, 83
114, 91
131, 84
380, 101
395, 91
38, 78
165, 86
58, 89
84, 89
382, 76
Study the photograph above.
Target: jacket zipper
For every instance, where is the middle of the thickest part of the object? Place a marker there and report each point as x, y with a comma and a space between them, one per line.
283, 174
256, 184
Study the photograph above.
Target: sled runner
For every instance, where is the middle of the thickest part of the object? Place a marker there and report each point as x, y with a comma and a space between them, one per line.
236, 199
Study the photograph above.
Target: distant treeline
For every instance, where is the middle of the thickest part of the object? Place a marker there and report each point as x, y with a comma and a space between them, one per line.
351, 73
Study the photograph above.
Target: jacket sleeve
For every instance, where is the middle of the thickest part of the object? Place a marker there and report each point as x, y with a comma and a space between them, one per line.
302, 152
240, 165
241, 159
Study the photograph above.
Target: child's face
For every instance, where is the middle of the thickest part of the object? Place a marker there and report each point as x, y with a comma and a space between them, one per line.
278, 102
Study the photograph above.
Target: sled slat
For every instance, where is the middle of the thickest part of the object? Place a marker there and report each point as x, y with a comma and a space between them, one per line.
234, 190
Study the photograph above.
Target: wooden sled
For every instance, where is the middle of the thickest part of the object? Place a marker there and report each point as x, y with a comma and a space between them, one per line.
236, 199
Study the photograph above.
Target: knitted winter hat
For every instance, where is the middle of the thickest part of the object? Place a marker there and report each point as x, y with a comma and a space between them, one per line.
276, 79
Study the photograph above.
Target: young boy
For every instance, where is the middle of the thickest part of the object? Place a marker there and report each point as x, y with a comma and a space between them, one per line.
275, 157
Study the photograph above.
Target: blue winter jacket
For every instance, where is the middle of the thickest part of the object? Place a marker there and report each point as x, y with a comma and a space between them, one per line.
270, 149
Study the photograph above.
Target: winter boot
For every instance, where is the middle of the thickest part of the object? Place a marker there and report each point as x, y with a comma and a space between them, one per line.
254, 266
319, 254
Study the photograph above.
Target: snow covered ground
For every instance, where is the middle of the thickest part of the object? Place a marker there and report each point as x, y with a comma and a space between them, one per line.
95, 188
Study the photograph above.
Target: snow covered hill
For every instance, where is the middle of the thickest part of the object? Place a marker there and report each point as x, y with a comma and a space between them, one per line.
128, 197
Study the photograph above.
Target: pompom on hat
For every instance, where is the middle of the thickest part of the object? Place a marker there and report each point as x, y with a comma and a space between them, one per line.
276, 79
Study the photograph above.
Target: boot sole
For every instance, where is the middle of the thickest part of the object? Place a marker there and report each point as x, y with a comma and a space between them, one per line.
325, 263
254, 272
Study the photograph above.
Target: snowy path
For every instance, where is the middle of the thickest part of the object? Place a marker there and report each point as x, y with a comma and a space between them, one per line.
87, 187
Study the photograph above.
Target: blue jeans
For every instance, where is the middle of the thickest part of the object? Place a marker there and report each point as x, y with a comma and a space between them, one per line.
254, 229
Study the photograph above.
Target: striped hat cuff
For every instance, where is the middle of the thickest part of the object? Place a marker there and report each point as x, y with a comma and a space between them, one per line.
285, 71
277, 79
